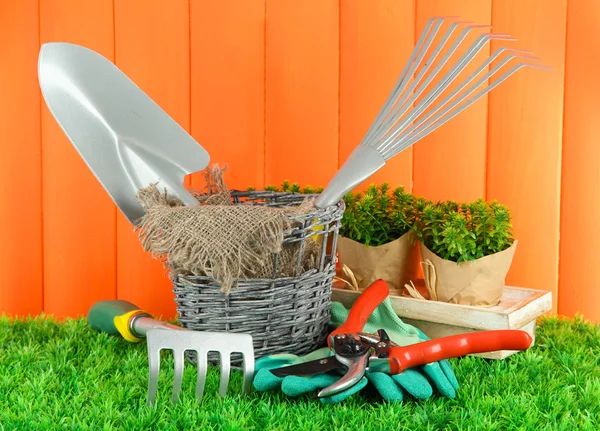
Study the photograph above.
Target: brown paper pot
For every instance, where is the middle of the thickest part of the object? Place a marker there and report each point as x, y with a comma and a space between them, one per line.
479, 282
394, 262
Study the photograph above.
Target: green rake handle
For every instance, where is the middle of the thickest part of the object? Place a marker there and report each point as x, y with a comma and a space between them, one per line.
114, 317
121, 317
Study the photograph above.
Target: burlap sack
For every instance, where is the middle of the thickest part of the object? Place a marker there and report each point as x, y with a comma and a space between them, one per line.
479, 282
395, 262
219, 239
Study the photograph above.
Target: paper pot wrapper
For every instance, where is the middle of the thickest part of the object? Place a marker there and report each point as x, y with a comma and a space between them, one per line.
479, 282
396, 262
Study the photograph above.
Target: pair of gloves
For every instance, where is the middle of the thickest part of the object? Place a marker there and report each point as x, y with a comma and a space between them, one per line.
419, 382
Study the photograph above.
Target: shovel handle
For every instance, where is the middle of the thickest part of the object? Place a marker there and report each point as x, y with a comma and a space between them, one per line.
401, 358
113, 317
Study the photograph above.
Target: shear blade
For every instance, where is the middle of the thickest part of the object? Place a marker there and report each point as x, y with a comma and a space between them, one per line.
317, 366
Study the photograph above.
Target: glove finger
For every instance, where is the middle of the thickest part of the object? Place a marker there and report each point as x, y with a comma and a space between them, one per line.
414, 383
332, 399
386, 386
281, 359
274, 361
264, 380
296, 385
435, 373
449, 372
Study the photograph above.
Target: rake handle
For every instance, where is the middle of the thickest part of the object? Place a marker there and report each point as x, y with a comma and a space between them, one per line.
102, 314
122, 317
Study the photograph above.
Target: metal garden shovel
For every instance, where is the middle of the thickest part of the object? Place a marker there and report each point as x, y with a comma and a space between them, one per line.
124, 137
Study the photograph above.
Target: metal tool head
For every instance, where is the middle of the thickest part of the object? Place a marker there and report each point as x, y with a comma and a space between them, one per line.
124, 137
434, 87
200, 342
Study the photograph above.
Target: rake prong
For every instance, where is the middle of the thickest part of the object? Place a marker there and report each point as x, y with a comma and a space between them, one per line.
153, 371
178, 373
202, 364
248, 373
225, 371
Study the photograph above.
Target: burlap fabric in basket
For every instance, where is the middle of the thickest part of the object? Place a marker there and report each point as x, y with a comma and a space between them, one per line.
255, 262
220, 239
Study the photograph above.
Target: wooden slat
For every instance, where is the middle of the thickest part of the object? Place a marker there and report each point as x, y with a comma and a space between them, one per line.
579, 238
227, 87
376, 41
525, 134
79, 216
302, 62
450, 162
20, 164
152, 48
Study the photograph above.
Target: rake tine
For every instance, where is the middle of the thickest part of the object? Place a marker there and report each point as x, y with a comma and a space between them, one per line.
248, 368
225, 371
178, 373
202, 364
153, 372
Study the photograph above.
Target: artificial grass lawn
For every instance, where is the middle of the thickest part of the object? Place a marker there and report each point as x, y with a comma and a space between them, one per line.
66, 376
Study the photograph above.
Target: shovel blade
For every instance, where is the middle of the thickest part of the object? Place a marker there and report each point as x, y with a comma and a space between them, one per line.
125, 138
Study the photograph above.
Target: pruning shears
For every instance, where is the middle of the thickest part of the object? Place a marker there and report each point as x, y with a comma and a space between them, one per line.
356, 352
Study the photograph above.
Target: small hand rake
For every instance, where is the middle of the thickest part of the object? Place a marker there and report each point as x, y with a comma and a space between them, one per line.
126, 319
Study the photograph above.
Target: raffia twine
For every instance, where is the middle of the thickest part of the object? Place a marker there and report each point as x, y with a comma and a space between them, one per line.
220, 239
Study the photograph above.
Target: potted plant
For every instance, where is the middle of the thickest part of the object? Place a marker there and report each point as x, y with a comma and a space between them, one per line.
377, 237
466, 250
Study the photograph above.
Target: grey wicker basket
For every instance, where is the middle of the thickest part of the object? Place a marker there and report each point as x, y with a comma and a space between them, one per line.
283, 315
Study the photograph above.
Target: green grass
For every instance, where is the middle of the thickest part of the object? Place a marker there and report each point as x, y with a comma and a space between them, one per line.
66, 376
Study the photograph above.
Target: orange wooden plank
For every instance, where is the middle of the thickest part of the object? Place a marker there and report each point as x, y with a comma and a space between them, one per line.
376, 41
227, 87
20, 164
79, 216
579, 239
302, 65
449, 163
152, 48
525, 135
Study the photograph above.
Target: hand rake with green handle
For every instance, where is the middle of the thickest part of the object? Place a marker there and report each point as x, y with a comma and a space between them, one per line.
121, 317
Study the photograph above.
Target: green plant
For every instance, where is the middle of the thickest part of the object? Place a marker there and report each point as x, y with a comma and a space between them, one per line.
292, 188
380, 214
465, 231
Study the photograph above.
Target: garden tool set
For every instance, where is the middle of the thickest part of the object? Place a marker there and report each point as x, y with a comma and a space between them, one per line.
129, 142
134, 324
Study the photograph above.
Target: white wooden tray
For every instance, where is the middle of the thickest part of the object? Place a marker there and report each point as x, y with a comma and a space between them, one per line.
518, 309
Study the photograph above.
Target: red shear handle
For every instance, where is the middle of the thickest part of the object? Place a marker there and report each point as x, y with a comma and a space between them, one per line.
401, 358
362, 308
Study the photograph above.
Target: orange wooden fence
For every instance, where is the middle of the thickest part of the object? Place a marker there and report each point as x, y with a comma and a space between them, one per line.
284, 89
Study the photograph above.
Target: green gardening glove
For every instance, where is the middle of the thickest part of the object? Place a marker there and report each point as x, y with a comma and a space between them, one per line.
418, 381
294, 386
